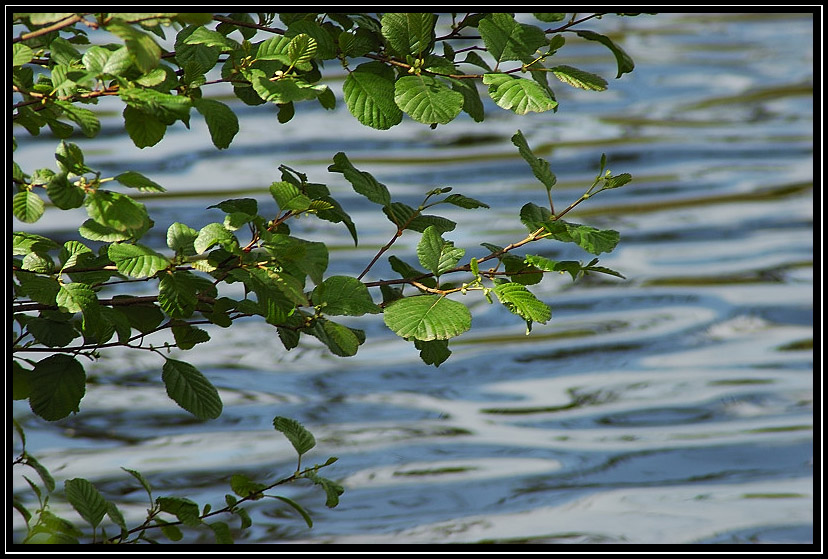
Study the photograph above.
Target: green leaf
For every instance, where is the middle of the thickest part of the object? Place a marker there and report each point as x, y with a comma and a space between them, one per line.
427, 99
84, 118
433, 352
325, 45
595, 241
472, 104
27, 206
58, 384
301, 439
289, 197
579, 78
427, 317
143, 317
549, 17
243, 486
21, 54
540, 167
625, 63
184, 509
437, 255
506, 39
21, 389
301, 50
69, 157
535, 217
181, 238
464, 201
339, 339
134, 179
332, 489
144, 50
362, 182
46, 18
190, 389
24, 243
299, 257
222, 532
51, 333
64, 194
222, 122
298, 509
275, 48
144, 129
369, 96
187, 336
137, 260
177, 294
215, 234
115, 515
523, 302
163, 106
409, 33
518, 94
101, 60
85, 498
344, 295
118, 212
75, 297
39, 288
616, 181
172, 532
141, 479
45, 476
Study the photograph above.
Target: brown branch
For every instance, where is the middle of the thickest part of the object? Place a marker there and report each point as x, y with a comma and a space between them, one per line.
48, 29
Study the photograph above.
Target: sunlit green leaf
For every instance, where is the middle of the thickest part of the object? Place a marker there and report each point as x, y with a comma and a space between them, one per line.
579, 78
137, 260
369, 96
144, 50
523, 302
427, 317
27, 206
427, 99
409, 33
215, 234
506, 39
518, 94
289, 197
437, 255
344, 295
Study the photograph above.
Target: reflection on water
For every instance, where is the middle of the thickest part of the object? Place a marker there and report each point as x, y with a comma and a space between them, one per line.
671, 407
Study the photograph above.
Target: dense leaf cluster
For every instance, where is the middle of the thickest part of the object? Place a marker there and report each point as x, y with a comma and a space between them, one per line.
159, 66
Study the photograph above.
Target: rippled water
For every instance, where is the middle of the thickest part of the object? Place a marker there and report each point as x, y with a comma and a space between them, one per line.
671, 407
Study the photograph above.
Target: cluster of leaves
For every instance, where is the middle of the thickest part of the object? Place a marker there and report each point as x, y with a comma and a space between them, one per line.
396, 69
69, 296
165, 514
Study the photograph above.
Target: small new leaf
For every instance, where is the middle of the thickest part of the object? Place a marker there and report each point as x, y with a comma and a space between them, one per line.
301, 439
